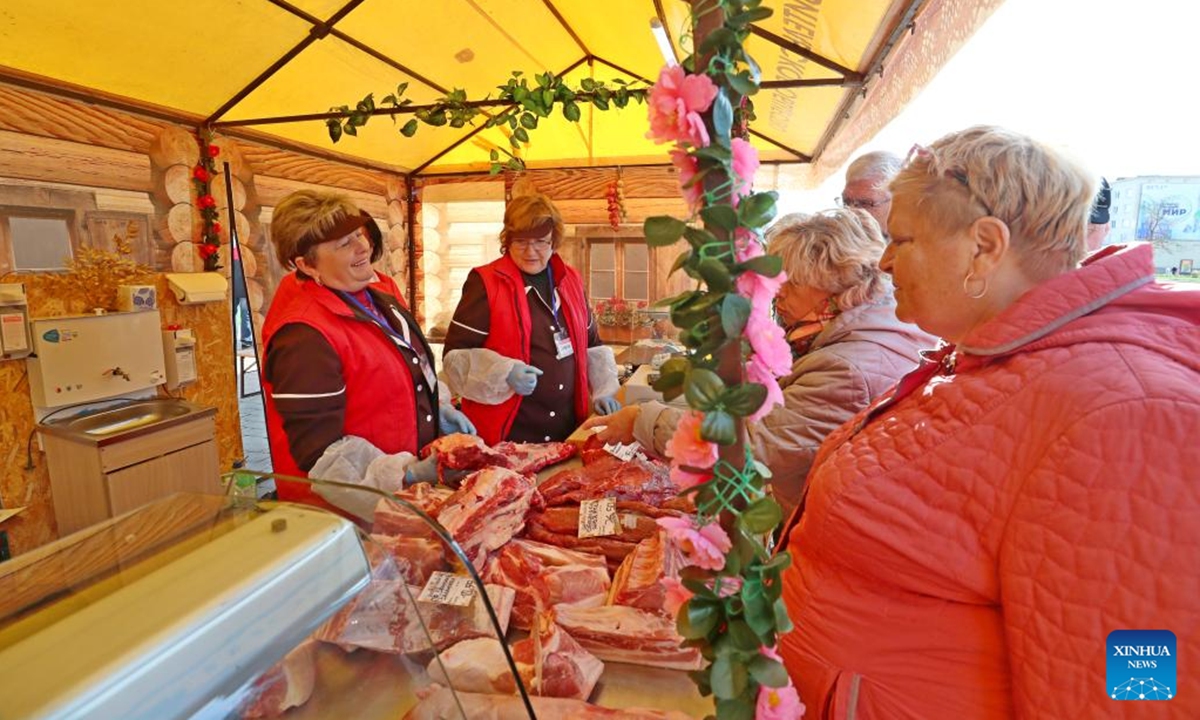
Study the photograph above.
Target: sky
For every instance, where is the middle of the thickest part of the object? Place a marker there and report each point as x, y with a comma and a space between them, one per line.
1114, 83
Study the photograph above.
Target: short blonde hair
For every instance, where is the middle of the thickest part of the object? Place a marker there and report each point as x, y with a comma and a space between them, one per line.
303, 220
526, 213
836, 251
1043, 197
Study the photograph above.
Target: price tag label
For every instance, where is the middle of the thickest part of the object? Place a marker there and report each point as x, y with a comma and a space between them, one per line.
622, 451
598, 517
446, 588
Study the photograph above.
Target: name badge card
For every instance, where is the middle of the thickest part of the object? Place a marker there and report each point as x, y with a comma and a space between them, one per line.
446, 588
598, 517
562, 344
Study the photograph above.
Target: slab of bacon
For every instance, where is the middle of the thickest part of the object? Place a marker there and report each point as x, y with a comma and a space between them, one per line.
545, 575
638, 581
441, 704
488, 510
619, 633
415, 558
386, 617
286, 685
644, 481
392, 518
560, 526
468, 452
550, 663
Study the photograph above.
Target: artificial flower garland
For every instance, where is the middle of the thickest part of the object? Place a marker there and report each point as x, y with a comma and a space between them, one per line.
728, 598
202, 175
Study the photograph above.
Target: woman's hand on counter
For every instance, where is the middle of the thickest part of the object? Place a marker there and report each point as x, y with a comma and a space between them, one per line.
617, 427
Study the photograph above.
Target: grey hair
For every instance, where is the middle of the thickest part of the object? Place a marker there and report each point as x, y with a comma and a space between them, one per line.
880, 165
836, 251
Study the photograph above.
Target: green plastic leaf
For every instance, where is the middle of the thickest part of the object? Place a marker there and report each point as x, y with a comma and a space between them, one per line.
742, 83
768, 671
722, 119
676, 364
699, 618
729, 677
735, 311
765, 265
587, 84
680, 260
350, 129
521, 135
571, 111
783, 623
719, 427
716, 274
742, 637
742, 400
756, 608
735, 709
703, 388
750, 16
699, 237
723, 216
761, 516
663, 230
758, 209
600, 102
529, 120
494, 155
668, 381
410, 128
335, 129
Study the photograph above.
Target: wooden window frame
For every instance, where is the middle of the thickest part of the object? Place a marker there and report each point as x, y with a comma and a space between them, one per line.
8, 258
619, 242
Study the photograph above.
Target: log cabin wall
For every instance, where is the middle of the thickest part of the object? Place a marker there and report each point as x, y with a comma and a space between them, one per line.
119, 176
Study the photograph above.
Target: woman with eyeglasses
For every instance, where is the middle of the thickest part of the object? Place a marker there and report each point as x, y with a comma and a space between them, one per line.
523, 350
848, 347
968, 543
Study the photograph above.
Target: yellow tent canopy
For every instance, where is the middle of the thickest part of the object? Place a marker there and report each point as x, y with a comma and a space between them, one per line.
250, 67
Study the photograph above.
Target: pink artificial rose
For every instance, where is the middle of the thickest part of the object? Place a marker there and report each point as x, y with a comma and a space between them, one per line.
756, 371
768, 342
675, 104
684, 479
760, 290
686, 165
687, 448
745, 164
704, 547
676, 595
779, 703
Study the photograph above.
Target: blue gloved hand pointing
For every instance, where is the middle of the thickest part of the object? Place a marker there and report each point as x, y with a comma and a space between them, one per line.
523, 378
606, 405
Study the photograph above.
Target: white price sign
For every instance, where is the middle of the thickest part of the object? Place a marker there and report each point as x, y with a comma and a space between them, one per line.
622, 451
446, 588
598, 517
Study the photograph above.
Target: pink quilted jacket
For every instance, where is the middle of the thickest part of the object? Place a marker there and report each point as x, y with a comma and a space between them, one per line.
968, 543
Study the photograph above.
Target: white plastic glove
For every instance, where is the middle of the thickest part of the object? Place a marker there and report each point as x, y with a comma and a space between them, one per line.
523, 378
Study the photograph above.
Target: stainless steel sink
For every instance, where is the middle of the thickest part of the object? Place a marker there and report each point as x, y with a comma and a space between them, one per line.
126, 418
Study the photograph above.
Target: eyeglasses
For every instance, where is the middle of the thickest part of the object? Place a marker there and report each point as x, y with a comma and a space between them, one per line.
539, 244
860, 204
920, 151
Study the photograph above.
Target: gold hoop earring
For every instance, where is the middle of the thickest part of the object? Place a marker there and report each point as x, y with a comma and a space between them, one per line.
970, 278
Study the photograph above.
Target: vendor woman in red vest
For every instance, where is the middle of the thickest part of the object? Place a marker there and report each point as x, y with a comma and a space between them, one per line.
349, 381
523, 351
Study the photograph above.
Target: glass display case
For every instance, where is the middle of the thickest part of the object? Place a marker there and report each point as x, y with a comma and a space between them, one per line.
215, 607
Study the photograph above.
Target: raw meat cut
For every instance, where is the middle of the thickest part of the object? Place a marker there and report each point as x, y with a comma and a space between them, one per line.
449, 443
392, 518
415, 558
638, 582
638, 480
386, 617
286, 685
560, 526
624, 634
550, 664
441, 704
544, 576
488, 510
529, 458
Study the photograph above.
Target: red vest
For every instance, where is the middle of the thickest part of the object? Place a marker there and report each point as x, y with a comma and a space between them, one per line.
509, 330
379, 394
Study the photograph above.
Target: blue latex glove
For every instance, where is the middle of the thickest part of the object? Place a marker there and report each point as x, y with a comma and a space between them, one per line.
523, 378
422, 470
455, 421
606, 405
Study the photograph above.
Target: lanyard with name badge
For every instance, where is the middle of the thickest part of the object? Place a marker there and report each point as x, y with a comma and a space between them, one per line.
404, 340
562, 341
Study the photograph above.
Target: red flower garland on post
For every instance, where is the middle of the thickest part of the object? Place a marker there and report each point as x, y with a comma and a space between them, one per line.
202, 175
